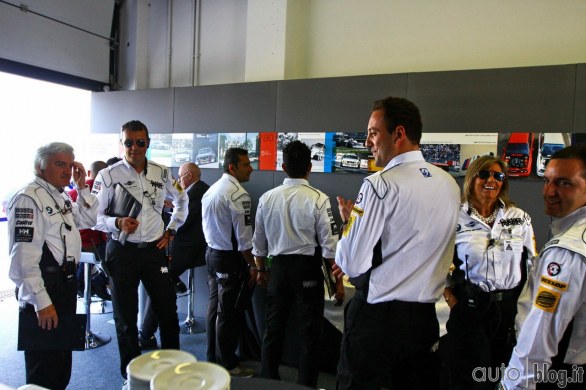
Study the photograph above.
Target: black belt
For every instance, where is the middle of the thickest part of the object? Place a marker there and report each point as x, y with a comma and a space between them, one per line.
140, 245
499, 295
225, 252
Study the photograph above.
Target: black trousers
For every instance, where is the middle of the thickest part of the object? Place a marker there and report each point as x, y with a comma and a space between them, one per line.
481, 336
52, 368
389, 342
295, 280
128, 265
226, 274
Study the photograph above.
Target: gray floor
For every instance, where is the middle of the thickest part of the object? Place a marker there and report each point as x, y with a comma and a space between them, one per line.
97, 369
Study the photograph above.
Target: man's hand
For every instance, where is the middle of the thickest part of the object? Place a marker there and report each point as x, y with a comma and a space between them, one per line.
48, 317
128, 224
337, 271
262, 279
253, 277
78, 175
165, 240
345, 208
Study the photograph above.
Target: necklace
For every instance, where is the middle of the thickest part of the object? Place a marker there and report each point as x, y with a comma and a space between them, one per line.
487, 220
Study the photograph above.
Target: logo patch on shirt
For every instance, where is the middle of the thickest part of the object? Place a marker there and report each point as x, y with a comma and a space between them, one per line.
96, 187
358, 211
554, 283
546, 299
425, 172
471, 224
164, 270
511, 221
25, 213
335, 230
49, 210
458, 228
348, 225
247, 220
359, 198
553, 269
23, 234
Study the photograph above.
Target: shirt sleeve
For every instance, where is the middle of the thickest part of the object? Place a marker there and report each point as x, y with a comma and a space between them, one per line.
327, 229
259, 239
557, 293
361, 233
26, 236
180, 203
85, 209
240, 209
103, 192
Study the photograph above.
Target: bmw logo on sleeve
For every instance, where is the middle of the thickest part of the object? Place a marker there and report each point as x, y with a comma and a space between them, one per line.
553, 269
425, 172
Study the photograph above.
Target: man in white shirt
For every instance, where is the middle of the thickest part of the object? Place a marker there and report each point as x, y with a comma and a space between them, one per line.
227, 227
294, 225
141, 256
552, 307
45, 246
396, 247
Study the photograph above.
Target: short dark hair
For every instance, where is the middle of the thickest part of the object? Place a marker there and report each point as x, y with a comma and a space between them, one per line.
401, 112
577, 152
297, 159
135, 126
113, 160
232, 156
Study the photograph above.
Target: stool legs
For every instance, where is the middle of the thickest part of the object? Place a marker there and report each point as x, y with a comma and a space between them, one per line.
92, 340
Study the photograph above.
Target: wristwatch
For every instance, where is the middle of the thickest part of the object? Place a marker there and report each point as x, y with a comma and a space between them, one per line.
172, 232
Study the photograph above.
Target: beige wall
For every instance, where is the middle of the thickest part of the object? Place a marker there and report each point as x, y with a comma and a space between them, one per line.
326, 38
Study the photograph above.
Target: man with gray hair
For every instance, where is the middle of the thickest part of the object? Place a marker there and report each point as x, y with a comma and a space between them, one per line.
45, 247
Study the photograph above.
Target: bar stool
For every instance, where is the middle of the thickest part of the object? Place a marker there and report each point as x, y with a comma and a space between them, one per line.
191, 325
92, 340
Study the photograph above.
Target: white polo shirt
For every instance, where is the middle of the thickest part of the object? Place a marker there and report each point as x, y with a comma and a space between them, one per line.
291, 217
412, 207
226, 205
491, 256
150, 187
554, 295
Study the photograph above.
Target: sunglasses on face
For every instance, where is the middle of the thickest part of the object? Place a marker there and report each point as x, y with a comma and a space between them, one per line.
141, 143
485, 174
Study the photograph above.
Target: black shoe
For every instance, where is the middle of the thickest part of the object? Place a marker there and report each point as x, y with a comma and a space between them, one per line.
147, 342
180, 288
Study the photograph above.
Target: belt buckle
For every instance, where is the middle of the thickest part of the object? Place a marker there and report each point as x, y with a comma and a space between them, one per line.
496, 297
142, 245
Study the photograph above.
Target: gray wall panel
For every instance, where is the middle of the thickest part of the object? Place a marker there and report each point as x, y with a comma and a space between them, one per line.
153, 107
333, 104
537, 99
580, 102
235, 108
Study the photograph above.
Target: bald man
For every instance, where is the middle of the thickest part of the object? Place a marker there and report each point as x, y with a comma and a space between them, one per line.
189, 246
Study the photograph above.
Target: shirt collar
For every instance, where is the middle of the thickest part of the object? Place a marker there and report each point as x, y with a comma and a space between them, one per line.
291, 182
560, 225
43, 183
406, 157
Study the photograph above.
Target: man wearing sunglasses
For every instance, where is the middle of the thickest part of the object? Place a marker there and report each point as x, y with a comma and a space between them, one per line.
552, 307
136, 252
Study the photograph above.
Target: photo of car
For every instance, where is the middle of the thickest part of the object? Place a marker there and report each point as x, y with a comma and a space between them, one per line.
205, 156
159, 145
317, 151
518, 154
350, 160
182, 156
549, 143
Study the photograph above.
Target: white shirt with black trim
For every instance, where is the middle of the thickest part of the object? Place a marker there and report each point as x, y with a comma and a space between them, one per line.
41, 213
412, 207
554, 295
150, 187
291, 217
226, 205
491, 256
